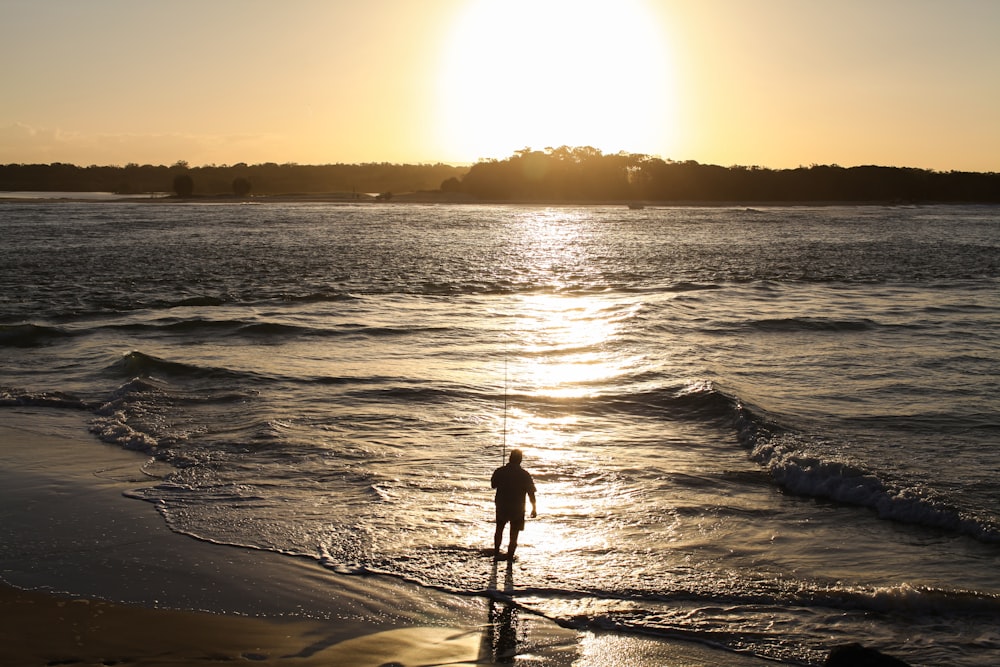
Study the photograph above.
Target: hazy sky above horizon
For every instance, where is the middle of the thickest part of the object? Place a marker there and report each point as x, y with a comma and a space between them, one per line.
776, 83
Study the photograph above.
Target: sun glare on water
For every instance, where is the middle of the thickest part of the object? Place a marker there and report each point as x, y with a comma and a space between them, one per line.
543, 73
558, 355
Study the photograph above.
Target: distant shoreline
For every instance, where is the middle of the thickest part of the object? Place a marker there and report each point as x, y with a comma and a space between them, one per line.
555, 176
431, 197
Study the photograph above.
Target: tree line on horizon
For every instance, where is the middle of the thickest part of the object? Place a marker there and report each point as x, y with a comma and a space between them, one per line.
582, 174
239, 179
587, 174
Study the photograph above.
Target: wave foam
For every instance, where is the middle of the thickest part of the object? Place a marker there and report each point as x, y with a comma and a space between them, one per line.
785, 457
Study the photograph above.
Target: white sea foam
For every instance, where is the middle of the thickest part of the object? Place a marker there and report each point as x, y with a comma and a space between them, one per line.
112, 428
789, 459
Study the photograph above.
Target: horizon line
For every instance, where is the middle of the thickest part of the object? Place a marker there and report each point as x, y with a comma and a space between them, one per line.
469, 165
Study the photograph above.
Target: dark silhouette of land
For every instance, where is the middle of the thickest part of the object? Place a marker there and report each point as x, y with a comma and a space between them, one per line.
585, 174
565, 174
238, 180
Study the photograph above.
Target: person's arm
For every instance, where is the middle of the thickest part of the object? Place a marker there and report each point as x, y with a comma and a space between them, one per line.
534, 509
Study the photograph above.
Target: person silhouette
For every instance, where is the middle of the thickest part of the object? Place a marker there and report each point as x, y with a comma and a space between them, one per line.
512, 483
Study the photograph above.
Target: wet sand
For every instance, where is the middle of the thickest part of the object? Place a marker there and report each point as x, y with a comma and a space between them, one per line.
91, 577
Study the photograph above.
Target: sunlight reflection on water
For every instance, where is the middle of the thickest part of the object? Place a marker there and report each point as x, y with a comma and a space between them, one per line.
356, 383
565, 342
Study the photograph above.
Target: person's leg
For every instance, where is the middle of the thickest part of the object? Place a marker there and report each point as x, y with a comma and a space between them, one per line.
497, 539
513, 541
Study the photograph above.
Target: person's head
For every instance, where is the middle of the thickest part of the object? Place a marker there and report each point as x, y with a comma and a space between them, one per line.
516, 456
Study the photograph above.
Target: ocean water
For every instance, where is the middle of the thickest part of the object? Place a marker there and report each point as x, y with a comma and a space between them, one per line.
768, 430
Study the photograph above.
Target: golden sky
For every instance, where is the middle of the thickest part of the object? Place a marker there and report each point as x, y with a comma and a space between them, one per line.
775, 83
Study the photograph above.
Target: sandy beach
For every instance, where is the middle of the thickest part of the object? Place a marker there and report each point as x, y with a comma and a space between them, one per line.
91, 577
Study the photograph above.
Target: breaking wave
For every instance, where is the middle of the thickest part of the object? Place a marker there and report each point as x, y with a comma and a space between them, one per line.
787, 458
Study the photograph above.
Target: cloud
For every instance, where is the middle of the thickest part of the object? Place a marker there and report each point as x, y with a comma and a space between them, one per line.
18, 140
23, 143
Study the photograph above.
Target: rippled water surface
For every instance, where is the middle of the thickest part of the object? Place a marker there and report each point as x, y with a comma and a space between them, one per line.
773, 430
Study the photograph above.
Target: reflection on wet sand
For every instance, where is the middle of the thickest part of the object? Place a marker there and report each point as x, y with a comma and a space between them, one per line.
503, 634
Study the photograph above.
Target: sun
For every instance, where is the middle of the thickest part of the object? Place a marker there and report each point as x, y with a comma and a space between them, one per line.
540, 73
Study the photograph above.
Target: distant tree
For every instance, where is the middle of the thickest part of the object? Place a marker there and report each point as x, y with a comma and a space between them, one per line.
241, 186
183, 185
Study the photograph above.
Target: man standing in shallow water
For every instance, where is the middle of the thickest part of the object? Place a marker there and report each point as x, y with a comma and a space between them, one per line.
512, 483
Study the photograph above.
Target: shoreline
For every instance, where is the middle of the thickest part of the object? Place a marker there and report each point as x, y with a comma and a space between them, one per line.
89, 576
445, 199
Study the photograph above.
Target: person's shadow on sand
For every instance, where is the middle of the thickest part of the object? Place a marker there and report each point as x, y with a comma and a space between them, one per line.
501, 639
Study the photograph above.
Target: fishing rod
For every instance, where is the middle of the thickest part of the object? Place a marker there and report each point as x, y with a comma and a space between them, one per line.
503, 455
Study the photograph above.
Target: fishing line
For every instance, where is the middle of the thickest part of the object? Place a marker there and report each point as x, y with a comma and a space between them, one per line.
503, 455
